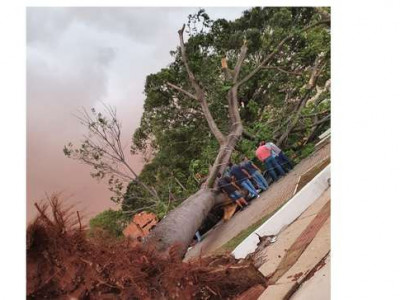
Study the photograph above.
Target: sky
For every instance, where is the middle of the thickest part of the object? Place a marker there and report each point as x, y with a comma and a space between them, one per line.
78, 58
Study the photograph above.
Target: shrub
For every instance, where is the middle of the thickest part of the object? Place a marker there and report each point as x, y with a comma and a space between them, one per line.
111, 221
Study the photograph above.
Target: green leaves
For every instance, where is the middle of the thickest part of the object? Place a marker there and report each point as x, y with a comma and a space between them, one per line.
111, 221
226, 87
173, 123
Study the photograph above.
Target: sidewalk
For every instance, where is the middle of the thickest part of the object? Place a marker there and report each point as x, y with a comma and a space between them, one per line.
300, 252
277, 195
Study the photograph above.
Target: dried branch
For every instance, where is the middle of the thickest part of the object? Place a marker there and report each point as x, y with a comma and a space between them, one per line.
79, 219
102, 147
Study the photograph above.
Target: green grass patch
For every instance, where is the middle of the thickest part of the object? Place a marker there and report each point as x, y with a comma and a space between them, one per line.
234, 242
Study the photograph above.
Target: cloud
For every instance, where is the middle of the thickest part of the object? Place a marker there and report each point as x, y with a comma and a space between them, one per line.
78, 57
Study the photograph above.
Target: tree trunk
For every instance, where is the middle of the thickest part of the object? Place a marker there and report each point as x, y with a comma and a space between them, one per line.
181, 224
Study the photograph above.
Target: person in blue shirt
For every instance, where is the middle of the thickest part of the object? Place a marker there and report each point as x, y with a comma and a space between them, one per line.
242, 177
255, 173
226, 185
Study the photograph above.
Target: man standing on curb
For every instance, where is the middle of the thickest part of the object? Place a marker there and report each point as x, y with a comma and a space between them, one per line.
282, 159
243, 178
254, 172
226, 185
264, 154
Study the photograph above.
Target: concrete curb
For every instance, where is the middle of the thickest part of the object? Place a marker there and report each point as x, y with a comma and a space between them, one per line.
288, 213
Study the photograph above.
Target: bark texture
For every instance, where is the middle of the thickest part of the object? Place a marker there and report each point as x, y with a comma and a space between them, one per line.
180, 225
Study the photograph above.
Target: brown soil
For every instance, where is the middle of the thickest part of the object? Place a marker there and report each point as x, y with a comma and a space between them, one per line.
62, 263
252, 294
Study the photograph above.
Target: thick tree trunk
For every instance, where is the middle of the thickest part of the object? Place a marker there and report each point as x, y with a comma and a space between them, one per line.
224, 155
182, 223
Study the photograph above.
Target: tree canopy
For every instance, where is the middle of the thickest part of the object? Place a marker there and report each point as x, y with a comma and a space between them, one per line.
287, 101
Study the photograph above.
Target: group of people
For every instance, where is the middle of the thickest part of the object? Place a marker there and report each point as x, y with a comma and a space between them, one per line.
246, 175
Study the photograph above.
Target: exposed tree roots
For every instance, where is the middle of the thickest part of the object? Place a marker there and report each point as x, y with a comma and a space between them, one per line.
63, 263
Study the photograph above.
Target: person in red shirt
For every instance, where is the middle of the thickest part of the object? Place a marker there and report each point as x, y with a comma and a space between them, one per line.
264, 155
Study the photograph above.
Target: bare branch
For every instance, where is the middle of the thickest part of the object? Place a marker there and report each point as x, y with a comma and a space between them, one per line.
104, 141
239, 62
190, 95
185, 61
88, 121
200, 95
79, 219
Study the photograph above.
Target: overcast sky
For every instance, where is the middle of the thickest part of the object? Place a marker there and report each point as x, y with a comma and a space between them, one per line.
77, 57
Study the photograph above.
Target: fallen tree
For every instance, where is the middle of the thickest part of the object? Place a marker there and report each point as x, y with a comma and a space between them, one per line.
179, 226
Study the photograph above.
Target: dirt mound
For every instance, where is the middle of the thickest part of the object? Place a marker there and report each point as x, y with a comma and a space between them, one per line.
62, 263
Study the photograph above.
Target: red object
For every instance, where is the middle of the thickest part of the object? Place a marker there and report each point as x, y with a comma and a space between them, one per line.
263, 153
141, 225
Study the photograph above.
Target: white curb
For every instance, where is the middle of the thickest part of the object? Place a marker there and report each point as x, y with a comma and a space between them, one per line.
288, 213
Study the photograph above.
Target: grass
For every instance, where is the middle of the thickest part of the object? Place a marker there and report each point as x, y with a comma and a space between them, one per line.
234, 242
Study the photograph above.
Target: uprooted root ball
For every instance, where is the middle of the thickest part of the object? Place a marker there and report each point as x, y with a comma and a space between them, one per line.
63, 263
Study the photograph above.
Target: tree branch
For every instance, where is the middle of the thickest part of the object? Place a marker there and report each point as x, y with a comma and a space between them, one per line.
277, 49
315, 114
282, 70
200, 95
323, 120
315, 98
249, 136
105, 139
190, 95
316, 71
239, 62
